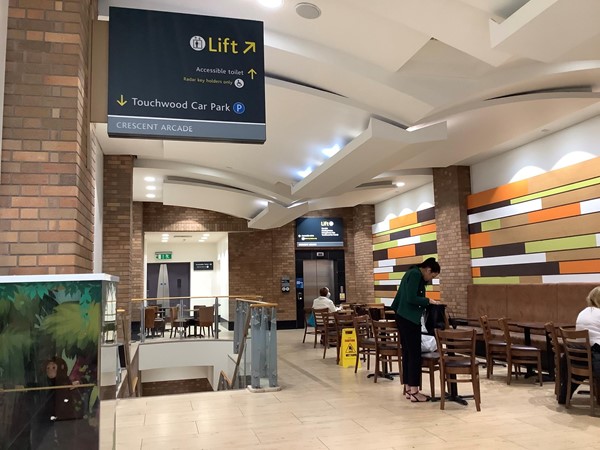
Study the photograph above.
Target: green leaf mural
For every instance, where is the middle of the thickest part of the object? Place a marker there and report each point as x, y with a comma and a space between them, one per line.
72, 330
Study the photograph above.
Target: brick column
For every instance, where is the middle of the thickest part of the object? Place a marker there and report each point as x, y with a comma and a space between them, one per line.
364, 217
451, 185
137, 256
118, 224
47, 178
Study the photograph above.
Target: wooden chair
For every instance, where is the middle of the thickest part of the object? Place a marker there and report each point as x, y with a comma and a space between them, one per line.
552, 332
177, 322
364, 339
153, 323
325, 325
342, 319
430, 362
457, 357
495, 347
579, 364
204, 318
308, 329
517, 355
376, 311
387, 347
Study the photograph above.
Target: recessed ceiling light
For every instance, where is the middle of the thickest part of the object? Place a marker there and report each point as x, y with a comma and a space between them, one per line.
329, 152
400, 184
150, 196
308, 10
165, 235
150, 179
304, 173
206, 235
271, 3
151, 188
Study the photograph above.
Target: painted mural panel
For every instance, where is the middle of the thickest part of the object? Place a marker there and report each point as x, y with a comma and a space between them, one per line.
398, 244
545, 229
50, 333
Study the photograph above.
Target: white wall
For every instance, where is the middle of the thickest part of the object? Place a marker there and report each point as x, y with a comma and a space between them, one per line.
563, 148
411, 201
209, 283
185, 356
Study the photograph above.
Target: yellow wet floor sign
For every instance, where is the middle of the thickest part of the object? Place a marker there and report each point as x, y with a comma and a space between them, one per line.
348, 348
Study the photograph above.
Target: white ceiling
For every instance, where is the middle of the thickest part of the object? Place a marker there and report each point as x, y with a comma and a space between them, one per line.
400, 85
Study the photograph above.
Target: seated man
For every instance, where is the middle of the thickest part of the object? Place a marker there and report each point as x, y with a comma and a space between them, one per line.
324, 300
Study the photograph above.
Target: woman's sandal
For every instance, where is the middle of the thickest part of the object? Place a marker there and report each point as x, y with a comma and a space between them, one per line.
415, 399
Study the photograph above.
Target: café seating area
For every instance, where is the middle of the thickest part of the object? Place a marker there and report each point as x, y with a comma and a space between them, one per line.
504, 343
198, 321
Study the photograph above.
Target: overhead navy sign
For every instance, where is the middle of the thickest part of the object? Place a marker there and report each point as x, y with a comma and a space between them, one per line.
319, 232
182, 76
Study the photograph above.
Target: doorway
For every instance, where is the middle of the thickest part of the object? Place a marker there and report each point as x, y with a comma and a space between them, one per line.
317, 274
178, 275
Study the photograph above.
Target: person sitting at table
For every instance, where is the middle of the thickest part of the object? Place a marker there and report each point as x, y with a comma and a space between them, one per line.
324, 300
588, 319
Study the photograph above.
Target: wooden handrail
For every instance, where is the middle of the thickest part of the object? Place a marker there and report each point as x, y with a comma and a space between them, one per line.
212, 297
46, 388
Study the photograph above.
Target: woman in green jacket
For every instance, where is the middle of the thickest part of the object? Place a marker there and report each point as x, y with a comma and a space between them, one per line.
409, 304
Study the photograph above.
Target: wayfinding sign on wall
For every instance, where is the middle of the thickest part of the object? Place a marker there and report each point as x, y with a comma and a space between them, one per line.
182, 76
319, 232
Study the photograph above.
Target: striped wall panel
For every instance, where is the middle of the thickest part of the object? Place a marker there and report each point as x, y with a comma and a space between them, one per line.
545, 229
398, 244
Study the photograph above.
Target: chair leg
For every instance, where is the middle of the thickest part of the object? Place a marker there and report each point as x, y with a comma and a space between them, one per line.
432, 379
490, 365
477, 392
539, 364
509, 368
316, 334
443, 388
376, 367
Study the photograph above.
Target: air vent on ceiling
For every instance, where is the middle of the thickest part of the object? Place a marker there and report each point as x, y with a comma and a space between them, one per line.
546, 91
183, 236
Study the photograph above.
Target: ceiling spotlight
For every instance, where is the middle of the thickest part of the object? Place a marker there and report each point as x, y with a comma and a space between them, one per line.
150, 196
271, 3
329, 152
151, 188
308, 10
150, 179
400, 184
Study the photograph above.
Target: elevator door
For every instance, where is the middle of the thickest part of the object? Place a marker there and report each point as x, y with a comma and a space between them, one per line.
317, 274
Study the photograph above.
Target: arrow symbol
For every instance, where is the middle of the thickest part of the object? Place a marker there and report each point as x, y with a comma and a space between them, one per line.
252, 72
121, 101
251, 46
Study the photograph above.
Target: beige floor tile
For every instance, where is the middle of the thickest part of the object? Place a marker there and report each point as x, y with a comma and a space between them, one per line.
322, 405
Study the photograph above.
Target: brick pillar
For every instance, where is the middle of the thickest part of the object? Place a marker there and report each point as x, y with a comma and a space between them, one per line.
47, 171
118, 224
451, 185
364, 217
137, 257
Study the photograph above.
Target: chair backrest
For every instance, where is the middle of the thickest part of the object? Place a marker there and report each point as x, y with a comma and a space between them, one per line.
174, 314
553, 333
150, 316
322, 317
503, 322
376, 311
456, 345
206, 315
362, 325
578, 352
386, 335
343, 319
485, 326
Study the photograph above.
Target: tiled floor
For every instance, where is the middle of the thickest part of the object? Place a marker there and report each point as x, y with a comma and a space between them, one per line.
324, 406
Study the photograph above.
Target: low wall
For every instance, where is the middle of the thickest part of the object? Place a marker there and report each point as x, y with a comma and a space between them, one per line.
528, 302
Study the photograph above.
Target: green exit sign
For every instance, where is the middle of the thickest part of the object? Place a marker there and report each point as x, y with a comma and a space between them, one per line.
163, 255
